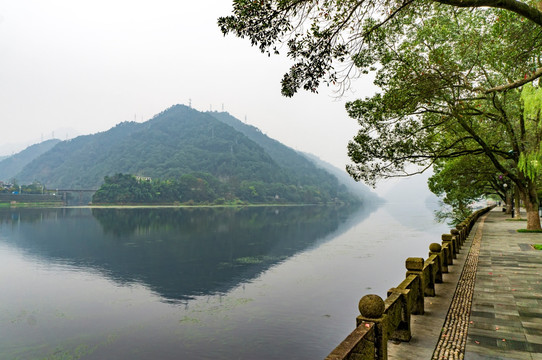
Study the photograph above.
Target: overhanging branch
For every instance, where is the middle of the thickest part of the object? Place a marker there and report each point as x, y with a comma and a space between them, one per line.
535, 75
516, 6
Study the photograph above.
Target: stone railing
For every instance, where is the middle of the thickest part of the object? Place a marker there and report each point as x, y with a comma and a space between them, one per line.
383, 320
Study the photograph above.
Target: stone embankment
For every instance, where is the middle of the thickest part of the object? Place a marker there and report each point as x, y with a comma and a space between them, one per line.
31, 198
383, 322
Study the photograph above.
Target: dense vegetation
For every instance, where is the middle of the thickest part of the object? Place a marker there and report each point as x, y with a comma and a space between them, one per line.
12, 165
189, 156
201, 188
457, 86
34, 188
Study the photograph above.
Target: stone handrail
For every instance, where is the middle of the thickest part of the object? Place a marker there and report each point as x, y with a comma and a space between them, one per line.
383, 320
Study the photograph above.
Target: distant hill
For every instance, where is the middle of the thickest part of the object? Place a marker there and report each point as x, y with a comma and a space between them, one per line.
356, 188
177, 141
12, 165
306, 166
181, 141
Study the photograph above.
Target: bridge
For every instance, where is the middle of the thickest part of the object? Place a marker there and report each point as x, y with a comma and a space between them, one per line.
80, 192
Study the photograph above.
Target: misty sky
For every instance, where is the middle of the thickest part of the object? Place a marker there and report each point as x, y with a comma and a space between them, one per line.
79, 67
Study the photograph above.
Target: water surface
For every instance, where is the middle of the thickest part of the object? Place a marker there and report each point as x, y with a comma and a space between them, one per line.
268, 282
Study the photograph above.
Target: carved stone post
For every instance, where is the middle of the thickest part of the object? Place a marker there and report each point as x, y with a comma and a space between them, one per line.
448, 257
462, 231
371, 309
447, 238
436, 249
415, 267
458, 238
402, 332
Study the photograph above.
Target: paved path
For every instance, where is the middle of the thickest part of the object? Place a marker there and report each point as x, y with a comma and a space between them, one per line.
506, 313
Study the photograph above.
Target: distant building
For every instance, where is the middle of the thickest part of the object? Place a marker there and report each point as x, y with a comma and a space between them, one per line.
143, 178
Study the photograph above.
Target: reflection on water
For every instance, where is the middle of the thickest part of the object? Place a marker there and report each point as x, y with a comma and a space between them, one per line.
225, 283
178, 253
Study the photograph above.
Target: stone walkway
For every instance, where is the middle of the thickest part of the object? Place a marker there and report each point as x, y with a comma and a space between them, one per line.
505, 318
506, 313
453, 337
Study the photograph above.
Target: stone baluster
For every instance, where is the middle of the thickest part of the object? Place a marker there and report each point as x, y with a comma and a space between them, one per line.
415, 267
447, 239
436, 249
371, 308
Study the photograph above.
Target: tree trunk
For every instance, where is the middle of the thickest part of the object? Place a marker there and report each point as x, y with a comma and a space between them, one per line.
531, 205
508, 203
517, 198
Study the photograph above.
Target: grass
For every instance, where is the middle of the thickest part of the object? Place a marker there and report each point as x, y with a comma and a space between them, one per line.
528, 231
516, 219
537, 246
30, 205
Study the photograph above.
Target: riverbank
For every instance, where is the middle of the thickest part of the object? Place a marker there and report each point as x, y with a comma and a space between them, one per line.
501, 314
14, 204
150, 206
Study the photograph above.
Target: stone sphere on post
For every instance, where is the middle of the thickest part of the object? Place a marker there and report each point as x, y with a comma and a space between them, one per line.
435, 247
371, 306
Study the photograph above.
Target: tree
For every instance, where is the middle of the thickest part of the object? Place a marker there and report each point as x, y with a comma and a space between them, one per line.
448, 78
320, 33
463, 180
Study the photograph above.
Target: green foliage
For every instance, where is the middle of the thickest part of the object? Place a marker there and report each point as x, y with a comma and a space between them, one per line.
200, 188
34, 188
10, 166
461, 181
537, 246
199, 157
322, 36
432, 72
530, 161
442, 71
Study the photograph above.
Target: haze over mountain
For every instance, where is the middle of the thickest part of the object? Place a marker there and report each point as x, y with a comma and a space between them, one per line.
12, 165
294, 160
176, 142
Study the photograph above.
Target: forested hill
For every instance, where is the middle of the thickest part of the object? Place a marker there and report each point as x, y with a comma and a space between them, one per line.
178, 142
10, 166
306, 166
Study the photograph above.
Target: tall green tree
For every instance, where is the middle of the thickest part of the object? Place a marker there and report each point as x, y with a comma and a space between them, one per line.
449, 77
432, 107
463, 180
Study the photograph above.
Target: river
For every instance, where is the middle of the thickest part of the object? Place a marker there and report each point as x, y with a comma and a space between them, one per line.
197, 283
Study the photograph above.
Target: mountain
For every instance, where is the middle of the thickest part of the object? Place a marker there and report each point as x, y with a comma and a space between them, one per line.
303, 164
12, 165
181, 141
356, 188
177, 141
306, 166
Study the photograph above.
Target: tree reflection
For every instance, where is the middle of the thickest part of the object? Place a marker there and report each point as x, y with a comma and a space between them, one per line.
178, 253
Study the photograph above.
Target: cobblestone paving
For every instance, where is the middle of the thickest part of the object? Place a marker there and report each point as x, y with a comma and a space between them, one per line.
506, 313
453, 338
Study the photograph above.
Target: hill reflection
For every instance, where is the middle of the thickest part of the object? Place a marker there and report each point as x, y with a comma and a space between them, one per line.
177, 253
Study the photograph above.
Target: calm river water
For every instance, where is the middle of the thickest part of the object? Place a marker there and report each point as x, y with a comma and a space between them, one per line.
221, 283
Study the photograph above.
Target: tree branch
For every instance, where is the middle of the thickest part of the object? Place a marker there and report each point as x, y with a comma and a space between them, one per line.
515, 84
515, 6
